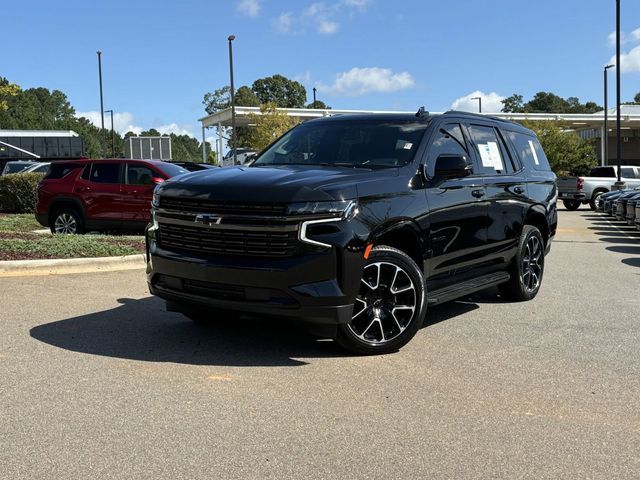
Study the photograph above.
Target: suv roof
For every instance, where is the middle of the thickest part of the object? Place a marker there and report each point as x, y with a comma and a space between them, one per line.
410, 117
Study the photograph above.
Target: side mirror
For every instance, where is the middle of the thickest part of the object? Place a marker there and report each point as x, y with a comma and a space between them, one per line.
452, 166
157, 180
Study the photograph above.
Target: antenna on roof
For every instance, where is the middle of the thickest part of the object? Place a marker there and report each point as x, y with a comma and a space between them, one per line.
422, 113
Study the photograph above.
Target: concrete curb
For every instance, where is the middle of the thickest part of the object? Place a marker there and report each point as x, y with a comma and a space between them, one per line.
16, 268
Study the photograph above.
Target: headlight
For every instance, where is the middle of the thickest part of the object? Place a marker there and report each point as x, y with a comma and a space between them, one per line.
155, 200
339, 210
345, 209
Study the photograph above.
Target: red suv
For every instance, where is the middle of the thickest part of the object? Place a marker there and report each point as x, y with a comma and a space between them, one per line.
82, 195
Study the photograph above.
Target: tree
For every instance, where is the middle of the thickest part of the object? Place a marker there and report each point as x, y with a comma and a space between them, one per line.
270, 125
217, 100
636, 99
566, 151
245, 97
513, 104
319, 105
547, 102
281, 91
7, 91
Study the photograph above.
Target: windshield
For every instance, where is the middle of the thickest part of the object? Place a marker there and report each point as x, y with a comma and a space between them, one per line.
363, 144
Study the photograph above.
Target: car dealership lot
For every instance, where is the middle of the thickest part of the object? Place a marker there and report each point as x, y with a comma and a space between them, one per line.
98, 381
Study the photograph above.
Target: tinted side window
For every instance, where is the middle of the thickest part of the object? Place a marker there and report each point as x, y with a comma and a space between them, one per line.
529, 150
627, 173
494, 158
105, 173
140, 175
608, 172
449, 140
59, 170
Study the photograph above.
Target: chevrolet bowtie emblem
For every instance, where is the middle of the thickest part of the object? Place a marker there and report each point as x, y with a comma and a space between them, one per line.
208, 219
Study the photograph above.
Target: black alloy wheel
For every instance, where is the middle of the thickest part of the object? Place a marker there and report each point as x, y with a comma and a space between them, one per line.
389, 307
527, 267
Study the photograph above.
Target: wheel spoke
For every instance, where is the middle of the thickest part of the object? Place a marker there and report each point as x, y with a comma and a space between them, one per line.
372, 287
364, 307
377, 318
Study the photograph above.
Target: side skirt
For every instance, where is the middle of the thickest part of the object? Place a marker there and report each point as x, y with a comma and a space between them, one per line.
467, 287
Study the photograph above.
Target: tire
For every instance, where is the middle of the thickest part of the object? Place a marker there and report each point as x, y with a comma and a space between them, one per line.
526, 276
571, 204
67, 221
392, 282
593, 203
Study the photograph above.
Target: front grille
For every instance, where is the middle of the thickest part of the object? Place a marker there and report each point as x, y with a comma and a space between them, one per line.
195, 205
227, 241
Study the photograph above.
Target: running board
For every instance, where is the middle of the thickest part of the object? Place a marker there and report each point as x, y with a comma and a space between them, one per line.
466, 288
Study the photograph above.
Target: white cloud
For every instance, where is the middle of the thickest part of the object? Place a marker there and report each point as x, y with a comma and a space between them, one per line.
625, 38
283, 23
630, 61
175, 128
357, 3
491, 102
327, 27
359, 81
304, 78
323, 17
122, 121
250, 8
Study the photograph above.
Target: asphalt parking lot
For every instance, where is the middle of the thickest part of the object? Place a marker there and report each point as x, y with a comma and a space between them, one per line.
97, 381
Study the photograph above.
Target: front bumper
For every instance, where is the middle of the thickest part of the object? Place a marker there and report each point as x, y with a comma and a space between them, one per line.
317, 285
42, 219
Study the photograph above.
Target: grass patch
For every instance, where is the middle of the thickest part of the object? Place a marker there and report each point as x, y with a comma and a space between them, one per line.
18, 242
24, 222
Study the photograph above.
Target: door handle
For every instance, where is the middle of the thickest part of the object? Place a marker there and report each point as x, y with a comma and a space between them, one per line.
477, 193
518, 189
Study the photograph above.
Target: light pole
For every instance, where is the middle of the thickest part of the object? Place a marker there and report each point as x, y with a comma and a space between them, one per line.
231, 38
99, 52
479, 103
113, 138
314, 97
605, 138
619, 184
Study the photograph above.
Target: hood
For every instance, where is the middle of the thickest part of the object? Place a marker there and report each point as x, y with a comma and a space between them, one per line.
273, 184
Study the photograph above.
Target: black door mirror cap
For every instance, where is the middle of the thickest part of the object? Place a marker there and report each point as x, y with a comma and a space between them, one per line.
452, 166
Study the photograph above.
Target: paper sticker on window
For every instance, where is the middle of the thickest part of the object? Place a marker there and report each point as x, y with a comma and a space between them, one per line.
535, 154
485, 155
495, 156
403, 145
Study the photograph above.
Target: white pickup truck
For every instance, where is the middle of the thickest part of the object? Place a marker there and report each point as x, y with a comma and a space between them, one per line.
574, 191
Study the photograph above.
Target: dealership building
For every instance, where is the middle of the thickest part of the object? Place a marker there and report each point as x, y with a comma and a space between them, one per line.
588, 126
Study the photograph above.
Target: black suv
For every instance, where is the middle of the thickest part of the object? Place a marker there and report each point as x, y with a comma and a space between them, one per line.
357, 223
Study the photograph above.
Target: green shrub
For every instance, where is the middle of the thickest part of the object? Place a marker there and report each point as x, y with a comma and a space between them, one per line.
18, 192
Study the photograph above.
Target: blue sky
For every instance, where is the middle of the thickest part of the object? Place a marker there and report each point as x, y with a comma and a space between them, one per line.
159, 58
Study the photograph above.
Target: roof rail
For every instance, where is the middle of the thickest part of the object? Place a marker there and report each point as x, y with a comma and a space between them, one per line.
479, 115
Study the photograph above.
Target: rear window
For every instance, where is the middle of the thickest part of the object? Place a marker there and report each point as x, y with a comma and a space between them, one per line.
608, 172
529, 150
60, 170
172, 170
